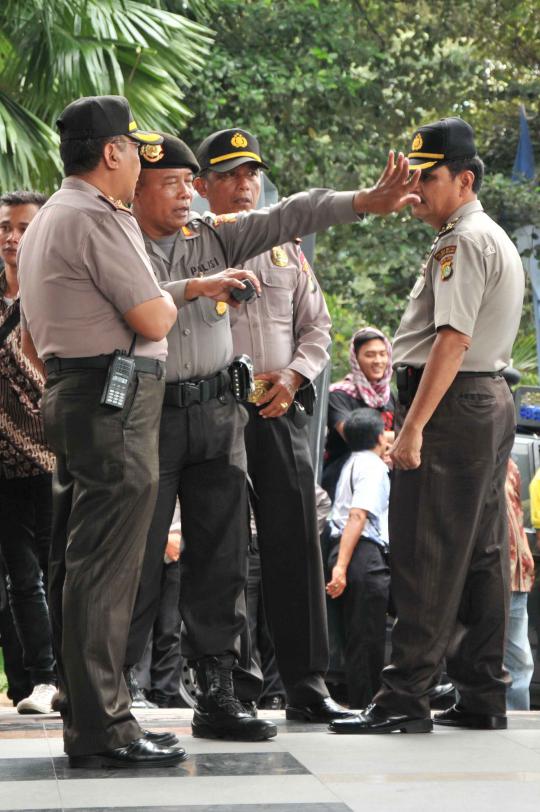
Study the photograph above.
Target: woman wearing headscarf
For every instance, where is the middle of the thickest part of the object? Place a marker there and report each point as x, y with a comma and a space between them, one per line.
366, 385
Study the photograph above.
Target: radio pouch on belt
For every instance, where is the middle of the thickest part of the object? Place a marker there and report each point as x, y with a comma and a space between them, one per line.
242, 377
120, 373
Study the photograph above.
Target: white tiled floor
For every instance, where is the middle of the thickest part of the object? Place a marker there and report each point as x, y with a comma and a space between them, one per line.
446, 771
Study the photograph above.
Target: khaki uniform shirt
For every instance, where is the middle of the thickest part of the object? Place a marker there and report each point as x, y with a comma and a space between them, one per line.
474, 283
200, 342
81, 265
289, 325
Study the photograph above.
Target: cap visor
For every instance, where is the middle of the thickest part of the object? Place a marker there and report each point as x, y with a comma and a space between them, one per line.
421, 163
226, 166
145, 137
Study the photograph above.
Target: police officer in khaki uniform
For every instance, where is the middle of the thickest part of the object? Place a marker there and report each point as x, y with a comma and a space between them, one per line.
449, 562
88, 290
286, 332
202, 452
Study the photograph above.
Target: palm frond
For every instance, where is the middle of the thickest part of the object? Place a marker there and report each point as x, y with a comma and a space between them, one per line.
53, 51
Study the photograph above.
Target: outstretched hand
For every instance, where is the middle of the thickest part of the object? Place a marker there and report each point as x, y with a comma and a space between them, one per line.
394, 190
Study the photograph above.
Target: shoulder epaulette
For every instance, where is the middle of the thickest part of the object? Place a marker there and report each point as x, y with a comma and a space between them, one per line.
118, 205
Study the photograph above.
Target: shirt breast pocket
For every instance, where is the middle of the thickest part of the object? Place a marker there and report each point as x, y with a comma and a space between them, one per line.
278, 285
212, 312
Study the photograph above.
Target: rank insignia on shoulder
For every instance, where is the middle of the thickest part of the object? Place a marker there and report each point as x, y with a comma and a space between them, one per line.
221, 308
449, 226
279, 257
446, 269
186, 231
225, 218
120, 205
446, 251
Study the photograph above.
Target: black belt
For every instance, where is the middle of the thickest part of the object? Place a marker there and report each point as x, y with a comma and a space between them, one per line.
185, 393
416, 372
480, 374
56, 364
408, 379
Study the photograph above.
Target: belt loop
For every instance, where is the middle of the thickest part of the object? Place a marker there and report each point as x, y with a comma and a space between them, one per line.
159, 371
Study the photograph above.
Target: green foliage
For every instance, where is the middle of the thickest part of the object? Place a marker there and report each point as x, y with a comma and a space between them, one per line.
330, 86
54, 51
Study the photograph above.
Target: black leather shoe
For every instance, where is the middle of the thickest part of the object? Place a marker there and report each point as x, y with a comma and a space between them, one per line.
442, 696
458, 717
164, 739
324, 711
218, 714
375, 719
138, 753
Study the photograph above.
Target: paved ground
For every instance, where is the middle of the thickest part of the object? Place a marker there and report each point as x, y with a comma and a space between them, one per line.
304, 769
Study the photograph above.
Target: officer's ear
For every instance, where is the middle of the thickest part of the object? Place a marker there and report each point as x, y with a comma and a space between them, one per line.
466, 179
111, 152
200, 185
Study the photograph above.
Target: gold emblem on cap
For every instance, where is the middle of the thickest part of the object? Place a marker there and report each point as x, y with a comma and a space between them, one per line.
152, 153
279, 257
417, 142
221, 308
238, 140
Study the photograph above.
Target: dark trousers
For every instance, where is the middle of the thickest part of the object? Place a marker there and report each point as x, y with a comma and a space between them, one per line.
160, 668
25, 538
262, 647
364, 605
279, 464
449, 559
202, 461
104, 492
19, 684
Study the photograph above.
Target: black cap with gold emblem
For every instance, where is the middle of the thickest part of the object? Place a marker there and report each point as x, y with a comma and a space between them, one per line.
448, 139
227, 149
101, 117
172, 153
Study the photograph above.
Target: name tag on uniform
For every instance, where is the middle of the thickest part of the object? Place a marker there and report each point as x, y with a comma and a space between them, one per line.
418, 287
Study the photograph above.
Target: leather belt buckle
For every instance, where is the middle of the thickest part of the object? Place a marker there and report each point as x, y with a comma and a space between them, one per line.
260, 388
191, 393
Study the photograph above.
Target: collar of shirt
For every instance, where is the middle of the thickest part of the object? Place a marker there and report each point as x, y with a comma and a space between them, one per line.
467, 208
152, 247
73, 182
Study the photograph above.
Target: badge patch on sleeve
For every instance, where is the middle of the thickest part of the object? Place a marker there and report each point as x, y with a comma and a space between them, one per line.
446, 269
447, 251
